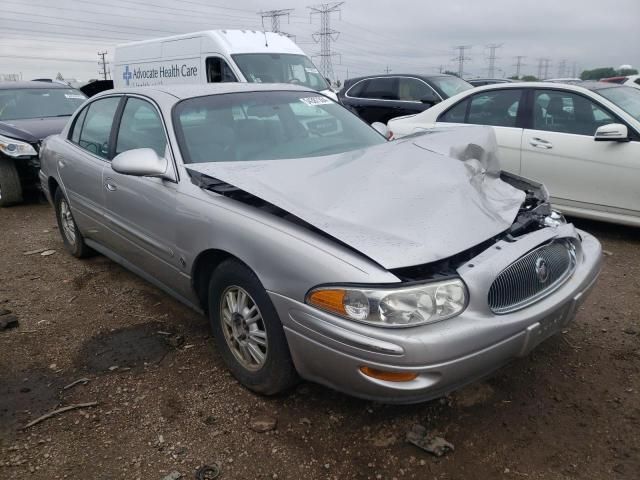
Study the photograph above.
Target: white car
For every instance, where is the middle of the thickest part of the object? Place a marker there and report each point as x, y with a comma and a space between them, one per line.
581, 141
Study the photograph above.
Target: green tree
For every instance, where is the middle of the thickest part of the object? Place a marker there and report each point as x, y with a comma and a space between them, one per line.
449, 72
598, 73
628, 71
529, 78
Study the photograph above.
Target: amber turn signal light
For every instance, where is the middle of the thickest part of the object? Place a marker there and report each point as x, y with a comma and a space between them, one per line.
388, 376
330, 300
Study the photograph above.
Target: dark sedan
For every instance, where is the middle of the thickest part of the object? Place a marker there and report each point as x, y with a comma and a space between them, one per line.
379, 98
29, 112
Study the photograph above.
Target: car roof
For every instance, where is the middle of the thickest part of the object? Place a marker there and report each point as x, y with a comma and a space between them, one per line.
198, 90
31, 84
588, 85
386, 75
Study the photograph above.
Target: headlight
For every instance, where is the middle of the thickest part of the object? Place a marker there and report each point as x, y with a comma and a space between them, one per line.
393, 307
554, 219
16, 148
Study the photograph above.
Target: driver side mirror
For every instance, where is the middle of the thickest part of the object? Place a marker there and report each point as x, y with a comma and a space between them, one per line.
613, 132
141, 162
430, 98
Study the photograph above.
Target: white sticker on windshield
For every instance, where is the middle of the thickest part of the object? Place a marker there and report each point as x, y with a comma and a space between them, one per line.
74, 95
313, 101
311, 70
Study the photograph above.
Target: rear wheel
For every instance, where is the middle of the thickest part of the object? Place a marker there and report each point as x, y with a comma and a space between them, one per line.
248, 331
10, 187
71, 236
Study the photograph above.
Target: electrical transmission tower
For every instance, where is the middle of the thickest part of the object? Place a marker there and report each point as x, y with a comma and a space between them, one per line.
102, 63
562, 69
275, 15
461, 58
491, 71
325, 35
547, 64
574, 70
519, 64
543, 68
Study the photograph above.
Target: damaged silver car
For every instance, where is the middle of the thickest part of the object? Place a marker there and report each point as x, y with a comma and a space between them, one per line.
390, 271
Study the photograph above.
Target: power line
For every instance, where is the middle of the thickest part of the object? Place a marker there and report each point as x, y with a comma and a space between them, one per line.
325, 35
461, 58
492, 59
275, 15
519, 64
57, 59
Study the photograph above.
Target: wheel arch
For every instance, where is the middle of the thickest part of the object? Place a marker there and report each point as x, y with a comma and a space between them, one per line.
203, 266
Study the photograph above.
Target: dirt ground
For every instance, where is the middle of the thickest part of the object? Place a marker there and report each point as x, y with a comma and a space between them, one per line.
571, 410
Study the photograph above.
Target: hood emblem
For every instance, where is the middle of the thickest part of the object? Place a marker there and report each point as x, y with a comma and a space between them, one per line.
542, 270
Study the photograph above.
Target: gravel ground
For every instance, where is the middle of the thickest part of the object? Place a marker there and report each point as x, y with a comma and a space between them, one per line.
571, 410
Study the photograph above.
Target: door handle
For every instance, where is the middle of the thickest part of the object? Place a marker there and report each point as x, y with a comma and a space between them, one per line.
540, 143
110, 186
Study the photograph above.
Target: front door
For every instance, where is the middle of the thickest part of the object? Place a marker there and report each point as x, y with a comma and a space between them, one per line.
137, 208
560, 151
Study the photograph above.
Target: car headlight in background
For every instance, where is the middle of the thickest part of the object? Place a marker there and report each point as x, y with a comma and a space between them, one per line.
405, 306
15, 148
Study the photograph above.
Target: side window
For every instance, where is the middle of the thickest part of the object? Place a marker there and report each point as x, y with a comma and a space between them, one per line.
96, 130
384, 88
566, 112
455, 114
637, 80
496, 107
413, 90
140, 127
358, 88
219, 71
77, 126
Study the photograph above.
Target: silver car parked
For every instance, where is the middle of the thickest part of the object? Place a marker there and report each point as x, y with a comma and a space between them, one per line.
394, 271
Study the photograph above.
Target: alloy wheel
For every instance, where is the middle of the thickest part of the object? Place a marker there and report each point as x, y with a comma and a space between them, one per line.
68, 225
243, 327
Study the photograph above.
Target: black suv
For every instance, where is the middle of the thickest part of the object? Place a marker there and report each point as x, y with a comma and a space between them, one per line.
29, 112
379, 98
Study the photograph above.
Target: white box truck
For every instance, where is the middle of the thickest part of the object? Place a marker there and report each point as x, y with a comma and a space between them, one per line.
216, 56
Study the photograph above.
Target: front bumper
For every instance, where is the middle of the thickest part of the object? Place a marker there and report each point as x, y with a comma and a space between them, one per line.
446, 355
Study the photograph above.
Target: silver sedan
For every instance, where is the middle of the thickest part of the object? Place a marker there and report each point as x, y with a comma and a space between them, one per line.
394, 271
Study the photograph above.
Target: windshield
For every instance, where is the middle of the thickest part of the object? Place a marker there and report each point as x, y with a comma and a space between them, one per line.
450, 86
280, 68
627, 98
21, 103
267, 125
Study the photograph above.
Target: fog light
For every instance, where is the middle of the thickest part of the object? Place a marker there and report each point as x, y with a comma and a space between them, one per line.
388, 376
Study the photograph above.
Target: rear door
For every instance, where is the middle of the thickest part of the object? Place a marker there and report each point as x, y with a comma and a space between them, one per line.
81, 169
375, 99
559, 150
501, 109
139, 209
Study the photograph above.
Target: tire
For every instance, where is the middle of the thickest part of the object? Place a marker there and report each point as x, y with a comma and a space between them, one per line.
10, 187
71, 236
275, 373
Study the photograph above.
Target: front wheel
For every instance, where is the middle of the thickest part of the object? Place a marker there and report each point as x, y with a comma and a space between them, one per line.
71, 236
248, 331
10, 187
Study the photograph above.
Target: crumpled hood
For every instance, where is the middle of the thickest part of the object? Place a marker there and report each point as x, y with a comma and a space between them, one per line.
401, 204
33, 130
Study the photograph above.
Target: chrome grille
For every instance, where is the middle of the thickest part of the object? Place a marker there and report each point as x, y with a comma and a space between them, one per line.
532, 277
